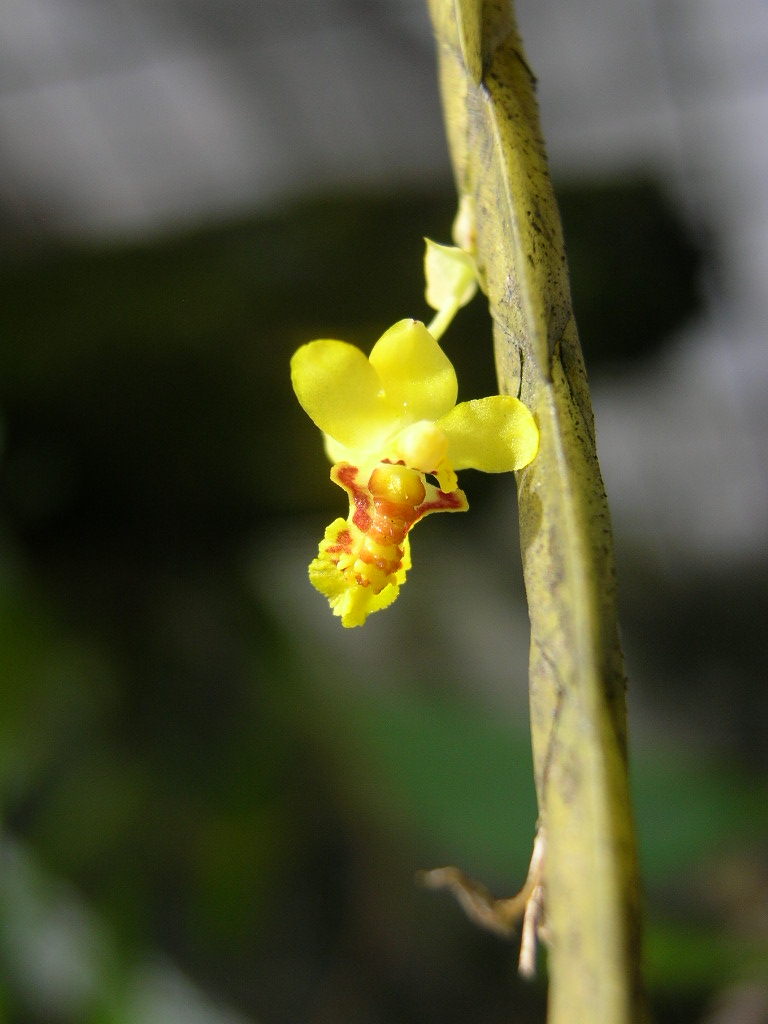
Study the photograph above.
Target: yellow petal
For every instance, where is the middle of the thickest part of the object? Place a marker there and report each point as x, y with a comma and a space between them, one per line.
496, 434
342, 393
451, 276
338, 453
350, 601
439, 500
418, 377
446, 477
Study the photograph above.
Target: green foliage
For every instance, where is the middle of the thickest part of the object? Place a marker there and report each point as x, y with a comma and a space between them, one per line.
228, 819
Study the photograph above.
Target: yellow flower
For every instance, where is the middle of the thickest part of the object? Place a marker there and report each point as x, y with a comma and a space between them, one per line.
391, 420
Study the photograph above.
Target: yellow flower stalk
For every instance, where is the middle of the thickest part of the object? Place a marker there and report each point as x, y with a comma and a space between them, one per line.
390, 422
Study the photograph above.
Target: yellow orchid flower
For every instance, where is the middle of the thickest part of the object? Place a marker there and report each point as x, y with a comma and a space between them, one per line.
390, 420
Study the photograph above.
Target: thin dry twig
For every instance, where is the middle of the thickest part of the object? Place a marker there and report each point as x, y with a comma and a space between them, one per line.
502, 915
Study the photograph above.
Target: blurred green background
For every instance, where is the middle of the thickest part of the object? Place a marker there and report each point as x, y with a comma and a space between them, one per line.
215, 800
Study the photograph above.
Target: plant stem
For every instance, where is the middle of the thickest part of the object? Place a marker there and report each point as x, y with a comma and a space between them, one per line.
577, 680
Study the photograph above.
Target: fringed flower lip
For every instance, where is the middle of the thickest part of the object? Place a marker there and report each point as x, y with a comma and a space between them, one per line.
390, 420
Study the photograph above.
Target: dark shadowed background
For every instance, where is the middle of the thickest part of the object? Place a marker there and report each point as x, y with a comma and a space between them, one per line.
214, 799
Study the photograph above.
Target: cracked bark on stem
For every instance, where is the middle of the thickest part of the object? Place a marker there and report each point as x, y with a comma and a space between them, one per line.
577, 680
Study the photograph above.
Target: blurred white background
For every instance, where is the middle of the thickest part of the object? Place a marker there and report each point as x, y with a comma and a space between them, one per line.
133, 119
128, 118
